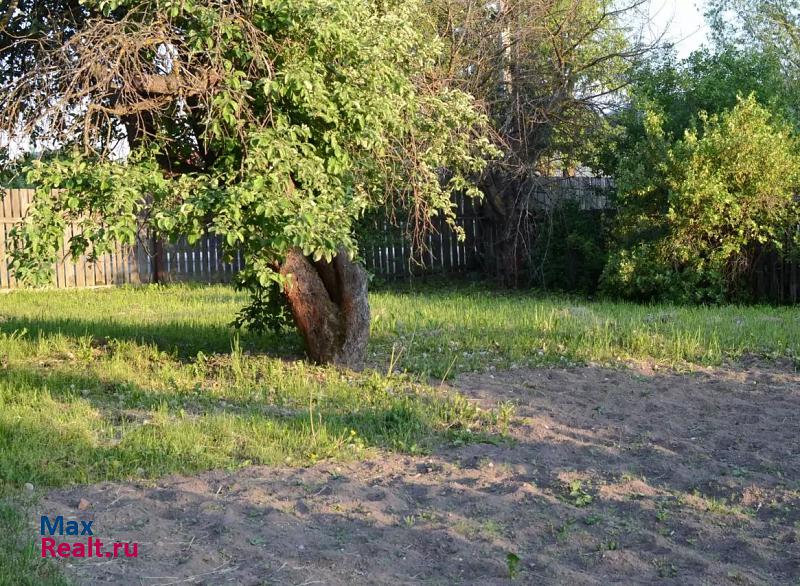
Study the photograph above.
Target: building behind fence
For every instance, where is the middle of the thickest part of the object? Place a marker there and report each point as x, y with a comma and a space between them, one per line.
386, 252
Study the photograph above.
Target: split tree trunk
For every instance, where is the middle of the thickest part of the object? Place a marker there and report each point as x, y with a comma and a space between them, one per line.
330, 307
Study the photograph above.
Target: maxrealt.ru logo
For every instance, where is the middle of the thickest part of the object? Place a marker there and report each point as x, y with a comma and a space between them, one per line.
88, 546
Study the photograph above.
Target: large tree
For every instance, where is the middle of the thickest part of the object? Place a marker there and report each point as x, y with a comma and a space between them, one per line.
765, 25
548, 71
273, 124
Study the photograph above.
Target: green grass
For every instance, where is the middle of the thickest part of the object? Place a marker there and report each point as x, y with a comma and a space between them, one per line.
447, 331
139, 382
124, 383
20, 563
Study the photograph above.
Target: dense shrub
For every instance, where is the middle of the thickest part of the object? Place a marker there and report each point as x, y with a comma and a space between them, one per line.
694, 212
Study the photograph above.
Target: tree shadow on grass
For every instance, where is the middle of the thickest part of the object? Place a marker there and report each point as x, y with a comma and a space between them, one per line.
182, 339
59, 428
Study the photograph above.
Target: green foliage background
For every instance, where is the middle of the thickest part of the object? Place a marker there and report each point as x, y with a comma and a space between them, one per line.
337, 112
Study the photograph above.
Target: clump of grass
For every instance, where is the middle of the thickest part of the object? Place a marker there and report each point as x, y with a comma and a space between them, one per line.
113, 417
472, 529
512, 564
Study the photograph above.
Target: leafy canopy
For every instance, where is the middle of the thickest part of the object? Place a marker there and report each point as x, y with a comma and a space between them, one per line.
274, 124
708, 81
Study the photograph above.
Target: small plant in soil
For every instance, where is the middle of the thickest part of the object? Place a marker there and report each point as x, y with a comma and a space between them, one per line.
578, 495
512, 563
609, 545
666, 569
592, 520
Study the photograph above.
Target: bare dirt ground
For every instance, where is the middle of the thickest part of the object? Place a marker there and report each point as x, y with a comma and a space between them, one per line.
609, 476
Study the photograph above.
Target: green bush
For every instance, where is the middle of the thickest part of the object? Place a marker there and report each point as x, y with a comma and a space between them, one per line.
694, 212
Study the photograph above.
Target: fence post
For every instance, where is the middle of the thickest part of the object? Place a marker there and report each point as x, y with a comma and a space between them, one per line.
158, 260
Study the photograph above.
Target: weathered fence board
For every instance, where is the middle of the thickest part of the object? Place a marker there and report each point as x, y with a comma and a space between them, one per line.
202, 261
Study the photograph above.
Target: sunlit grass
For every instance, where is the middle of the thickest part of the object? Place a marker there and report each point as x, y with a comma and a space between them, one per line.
436, 331
430, 331
131, 383
137, 383
114, 383
83, 409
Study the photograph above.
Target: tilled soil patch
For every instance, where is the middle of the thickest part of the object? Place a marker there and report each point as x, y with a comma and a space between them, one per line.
606, 476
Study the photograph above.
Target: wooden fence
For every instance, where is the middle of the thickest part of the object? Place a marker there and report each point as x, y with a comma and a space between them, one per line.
118, 267
145, 262
204, 261
385, 250
387, 253
149, 261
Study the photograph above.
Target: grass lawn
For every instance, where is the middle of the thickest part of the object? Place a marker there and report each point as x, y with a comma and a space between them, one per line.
140, 382
442, 331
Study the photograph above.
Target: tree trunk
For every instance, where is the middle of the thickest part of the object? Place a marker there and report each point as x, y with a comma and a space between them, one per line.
508, 225
330, 307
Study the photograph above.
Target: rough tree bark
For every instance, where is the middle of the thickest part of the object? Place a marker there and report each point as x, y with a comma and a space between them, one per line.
330, 307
